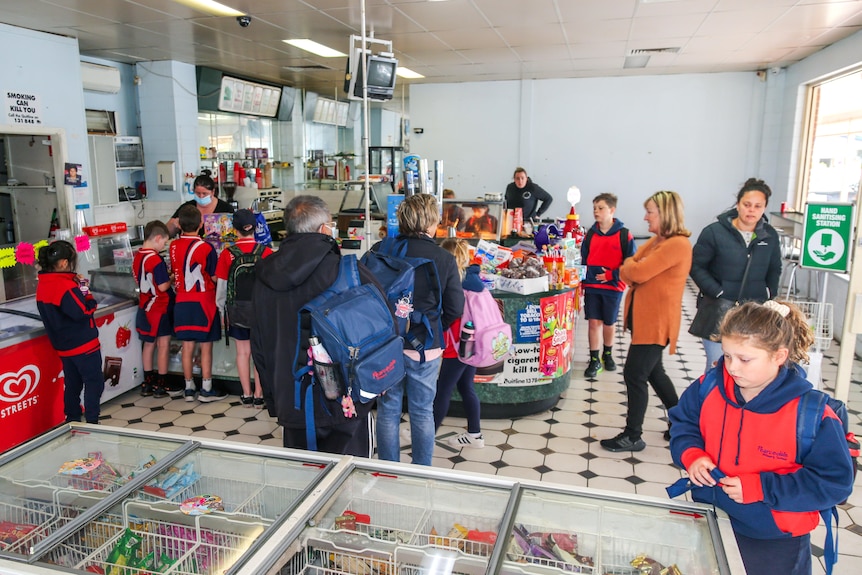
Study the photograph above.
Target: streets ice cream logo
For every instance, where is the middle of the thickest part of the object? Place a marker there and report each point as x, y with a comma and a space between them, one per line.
17, 390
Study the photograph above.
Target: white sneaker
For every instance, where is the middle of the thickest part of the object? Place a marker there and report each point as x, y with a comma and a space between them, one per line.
466, 440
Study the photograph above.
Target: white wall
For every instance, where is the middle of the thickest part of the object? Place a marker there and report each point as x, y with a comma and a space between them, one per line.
697, 134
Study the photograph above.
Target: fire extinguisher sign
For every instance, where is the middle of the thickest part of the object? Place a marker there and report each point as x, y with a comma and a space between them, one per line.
23, 108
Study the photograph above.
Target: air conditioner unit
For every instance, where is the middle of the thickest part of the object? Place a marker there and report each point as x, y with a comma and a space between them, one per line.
98, 78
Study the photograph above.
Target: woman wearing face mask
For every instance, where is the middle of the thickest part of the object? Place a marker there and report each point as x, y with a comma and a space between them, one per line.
204, 200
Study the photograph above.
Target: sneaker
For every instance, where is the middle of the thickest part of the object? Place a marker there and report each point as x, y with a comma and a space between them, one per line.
593, 369
146, 389
209, 396
259, 403
623, 442
159, 392
175, 393
247, 400
466, 440
608, 361
189, 394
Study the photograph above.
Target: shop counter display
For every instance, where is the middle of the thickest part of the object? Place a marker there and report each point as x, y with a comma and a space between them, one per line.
31, 374
534, 376
95, 499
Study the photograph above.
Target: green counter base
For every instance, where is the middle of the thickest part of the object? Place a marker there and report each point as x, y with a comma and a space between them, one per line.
506, 410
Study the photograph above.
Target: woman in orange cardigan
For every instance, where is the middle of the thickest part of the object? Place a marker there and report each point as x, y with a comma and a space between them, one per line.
656, 276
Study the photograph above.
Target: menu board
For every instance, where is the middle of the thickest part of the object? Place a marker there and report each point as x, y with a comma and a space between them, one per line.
330, 112
245, 97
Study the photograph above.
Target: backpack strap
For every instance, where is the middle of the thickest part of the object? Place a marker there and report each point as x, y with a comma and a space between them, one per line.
624, 241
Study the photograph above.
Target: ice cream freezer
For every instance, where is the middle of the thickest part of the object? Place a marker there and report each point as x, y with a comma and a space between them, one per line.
94, 499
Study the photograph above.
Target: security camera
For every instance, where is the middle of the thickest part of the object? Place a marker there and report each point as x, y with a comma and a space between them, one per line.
244, 21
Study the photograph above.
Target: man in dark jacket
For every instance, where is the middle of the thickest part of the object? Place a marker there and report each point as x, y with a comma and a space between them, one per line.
525, 194
305, 265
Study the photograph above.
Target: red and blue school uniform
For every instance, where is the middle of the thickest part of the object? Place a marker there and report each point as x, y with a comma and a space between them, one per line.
246, 245
602, 251
196, 316
69, 321
154, 306
756, 441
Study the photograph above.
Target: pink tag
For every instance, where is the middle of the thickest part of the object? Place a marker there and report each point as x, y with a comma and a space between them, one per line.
25, 254
82, 243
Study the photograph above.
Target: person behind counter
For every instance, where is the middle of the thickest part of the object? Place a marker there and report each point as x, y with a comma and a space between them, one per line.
656, 277
67, 309
525, 194
205, 200
453, 214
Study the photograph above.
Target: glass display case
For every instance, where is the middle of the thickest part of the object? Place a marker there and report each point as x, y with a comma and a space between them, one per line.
471, 219
158, 503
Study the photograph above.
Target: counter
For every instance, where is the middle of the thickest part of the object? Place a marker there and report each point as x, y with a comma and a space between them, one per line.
532, 379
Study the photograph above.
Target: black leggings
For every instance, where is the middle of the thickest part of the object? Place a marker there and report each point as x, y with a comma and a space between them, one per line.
644, 364
455, 373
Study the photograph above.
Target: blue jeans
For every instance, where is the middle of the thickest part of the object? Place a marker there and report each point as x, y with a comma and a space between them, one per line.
713, 352
421, 387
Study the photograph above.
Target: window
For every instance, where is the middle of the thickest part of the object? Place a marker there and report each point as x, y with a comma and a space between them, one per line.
832, 153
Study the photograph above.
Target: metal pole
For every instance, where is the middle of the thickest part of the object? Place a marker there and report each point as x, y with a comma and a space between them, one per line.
365, 128
848, 335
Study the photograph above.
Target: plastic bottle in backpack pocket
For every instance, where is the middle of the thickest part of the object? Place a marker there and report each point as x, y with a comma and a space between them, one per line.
465, 350
325, 370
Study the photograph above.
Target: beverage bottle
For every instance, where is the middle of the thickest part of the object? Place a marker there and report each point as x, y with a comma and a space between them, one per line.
465, 350
324, 369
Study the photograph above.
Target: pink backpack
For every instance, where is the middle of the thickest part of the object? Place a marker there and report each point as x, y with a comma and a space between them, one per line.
492, 339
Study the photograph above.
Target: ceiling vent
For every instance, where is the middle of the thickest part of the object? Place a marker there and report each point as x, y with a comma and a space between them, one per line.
651, 51
98, 78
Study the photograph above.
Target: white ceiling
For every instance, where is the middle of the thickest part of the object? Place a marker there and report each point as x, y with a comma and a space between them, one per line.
453, 40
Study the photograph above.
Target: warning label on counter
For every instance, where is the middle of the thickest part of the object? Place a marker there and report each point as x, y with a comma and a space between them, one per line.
23, 108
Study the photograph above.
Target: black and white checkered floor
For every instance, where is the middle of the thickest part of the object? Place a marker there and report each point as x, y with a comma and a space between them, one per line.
559, 445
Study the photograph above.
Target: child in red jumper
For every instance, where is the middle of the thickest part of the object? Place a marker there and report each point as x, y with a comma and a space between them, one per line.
67, 309
196, 317
244, 223
154, 322
735, 432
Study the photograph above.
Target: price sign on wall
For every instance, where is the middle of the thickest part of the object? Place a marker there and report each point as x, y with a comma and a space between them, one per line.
827, 237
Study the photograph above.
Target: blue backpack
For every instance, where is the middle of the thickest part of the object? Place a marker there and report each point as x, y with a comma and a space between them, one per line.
353, 323
396, 272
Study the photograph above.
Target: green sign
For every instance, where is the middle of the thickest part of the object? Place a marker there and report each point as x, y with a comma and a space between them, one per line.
827, 238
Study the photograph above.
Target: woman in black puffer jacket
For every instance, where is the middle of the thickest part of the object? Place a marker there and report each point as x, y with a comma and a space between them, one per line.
722, 251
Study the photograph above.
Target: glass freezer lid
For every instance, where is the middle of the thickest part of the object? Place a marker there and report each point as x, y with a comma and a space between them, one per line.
200, 515
556, 532
380, 523
47, 484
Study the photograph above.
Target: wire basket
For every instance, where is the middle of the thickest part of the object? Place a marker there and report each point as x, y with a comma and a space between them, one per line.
819, 316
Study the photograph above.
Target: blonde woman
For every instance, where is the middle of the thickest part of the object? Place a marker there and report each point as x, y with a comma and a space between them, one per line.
656, 277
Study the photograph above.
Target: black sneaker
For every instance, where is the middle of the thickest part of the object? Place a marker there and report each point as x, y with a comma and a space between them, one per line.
593, 369
159, 391
608, 360
623, 442
146, 389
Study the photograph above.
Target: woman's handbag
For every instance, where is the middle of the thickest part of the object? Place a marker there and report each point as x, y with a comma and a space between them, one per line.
711, 310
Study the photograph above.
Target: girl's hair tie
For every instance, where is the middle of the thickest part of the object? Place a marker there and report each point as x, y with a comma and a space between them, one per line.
780, 308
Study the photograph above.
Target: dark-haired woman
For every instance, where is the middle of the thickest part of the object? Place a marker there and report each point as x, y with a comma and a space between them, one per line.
205, 200
723, 250
67, 313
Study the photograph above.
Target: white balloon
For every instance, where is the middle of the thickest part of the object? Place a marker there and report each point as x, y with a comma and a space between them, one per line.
574, 195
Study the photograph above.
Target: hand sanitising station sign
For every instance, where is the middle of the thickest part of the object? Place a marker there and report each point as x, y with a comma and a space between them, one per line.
827, 238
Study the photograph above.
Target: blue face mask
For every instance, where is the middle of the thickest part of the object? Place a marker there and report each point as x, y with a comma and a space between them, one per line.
203, 201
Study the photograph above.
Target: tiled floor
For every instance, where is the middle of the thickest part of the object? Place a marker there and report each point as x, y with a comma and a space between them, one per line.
559, 445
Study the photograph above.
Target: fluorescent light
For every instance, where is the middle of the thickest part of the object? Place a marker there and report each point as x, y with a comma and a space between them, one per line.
315, 48
407, 73
636, 62
211, 7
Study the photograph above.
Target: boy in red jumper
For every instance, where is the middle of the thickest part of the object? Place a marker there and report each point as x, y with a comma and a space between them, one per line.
154, 322
196, 317
67, 309
603, 252
244, 223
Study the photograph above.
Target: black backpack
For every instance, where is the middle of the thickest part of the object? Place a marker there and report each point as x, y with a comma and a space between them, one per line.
240, 281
